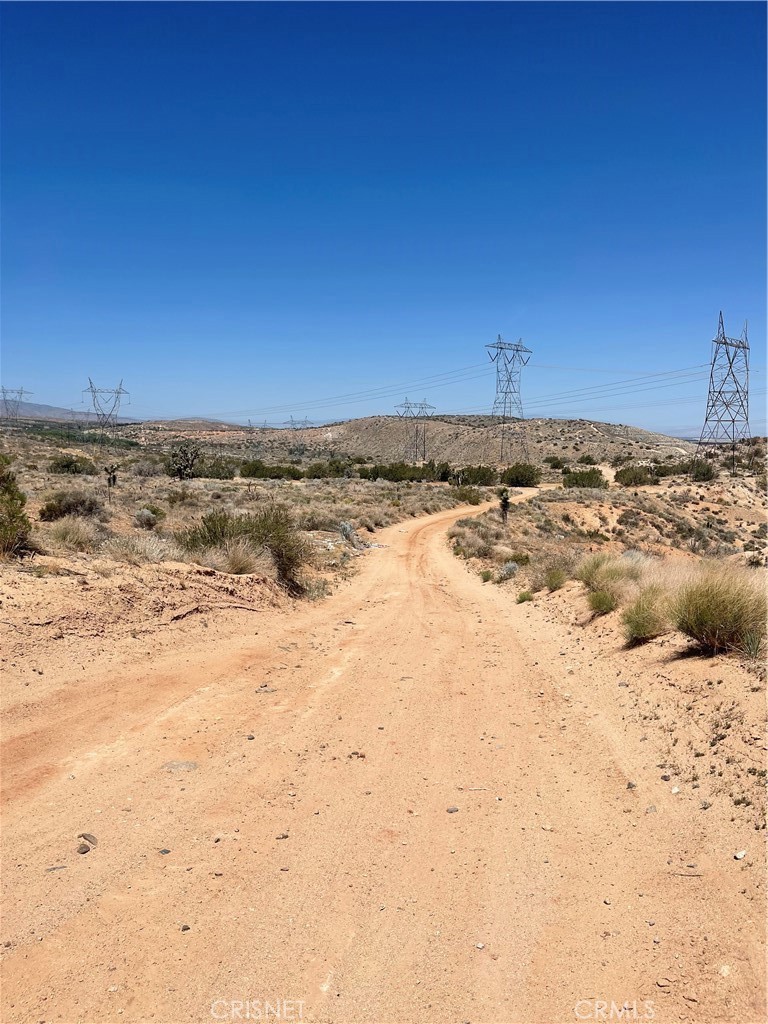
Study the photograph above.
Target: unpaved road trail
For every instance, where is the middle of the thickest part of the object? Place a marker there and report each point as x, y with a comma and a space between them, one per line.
273, 825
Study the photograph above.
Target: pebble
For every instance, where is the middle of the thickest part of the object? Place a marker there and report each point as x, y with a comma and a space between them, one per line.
83, 848
180, 766
607, 903
479, 945
622, 683
452, 810
665, 778
740, 855
250, 736
185, 927
89, 838
631, 785
283, 835
675, 790
651, 809
165, 852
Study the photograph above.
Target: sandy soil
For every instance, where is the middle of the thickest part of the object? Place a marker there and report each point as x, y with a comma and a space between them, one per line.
271, 809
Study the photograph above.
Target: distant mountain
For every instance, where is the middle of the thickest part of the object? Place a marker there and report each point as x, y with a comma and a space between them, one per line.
36, 411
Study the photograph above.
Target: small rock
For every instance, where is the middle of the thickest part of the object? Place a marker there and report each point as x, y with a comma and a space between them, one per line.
89, 838
705, 805
250, 736
283, 869
83, 848
631, 785
740, 855
607, 903
651, 809
675, 790
622, 683
665, 778
180, 766
185, 927
452, 810
165, 852
479, 945
283, 835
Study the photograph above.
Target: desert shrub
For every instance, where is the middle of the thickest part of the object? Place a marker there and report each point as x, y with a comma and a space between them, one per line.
255, 469
74, 533
522, 474
554, 461
145, 519
330, 470
15, 526
523, 596
477, 476
486, 575
272, 528
647, 616
506, 572
585, 478
555, 577
602, 601
586, 460
136, 549
182, 496
146, 468
71, 503
700, 471
467, 495
215, 468
74, 464
635, 476
723, 610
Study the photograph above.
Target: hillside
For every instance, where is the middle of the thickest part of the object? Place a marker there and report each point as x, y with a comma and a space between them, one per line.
460, 440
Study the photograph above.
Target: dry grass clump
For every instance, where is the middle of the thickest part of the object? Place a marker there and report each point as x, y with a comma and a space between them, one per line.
723, 610
648, 615
139, 548
240, 557
73, 533
553, 572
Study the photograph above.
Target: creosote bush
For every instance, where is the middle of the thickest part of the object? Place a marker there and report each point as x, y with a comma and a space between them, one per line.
635, 476
74, 464
14, 523
585, 478
523, 596
521, 474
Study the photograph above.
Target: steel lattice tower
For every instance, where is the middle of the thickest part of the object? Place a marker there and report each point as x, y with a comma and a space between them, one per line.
510, 358
106, 405
12, 400
409, 412
727, 419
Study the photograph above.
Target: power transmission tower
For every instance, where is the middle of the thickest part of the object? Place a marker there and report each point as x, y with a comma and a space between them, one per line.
295, 424
106, 405
510, 358
726, 422
425, 410
409, 411
12, 399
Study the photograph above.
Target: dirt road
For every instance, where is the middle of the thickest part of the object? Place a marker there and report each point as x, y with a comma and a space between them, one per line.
391, 806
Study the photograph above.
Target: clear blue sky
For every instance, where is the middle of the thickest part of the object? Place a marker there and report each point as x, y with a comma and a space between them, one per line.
243, 208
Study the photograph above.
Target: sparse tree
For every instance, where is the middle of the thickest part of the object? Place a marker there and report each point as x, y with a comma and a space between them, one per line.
182, 458
504, 504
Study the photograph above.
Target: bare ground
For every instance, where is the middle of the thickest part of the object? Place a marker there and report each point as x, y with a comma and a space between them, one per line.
349, 728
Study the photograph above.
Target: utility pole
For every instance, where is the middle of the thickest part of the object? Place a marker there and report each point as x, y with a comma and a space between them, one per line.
726, 422
510, 358
106, 405
12, 399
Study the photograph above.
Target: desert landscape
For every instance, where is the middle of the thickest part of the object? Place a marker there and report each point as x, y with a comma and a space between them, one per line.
384, 727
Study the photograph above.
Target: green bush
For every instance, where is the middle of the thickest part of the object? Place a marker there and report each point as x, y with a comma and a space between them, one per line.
15, 526
588, 570
586, 460
647, 616
74, 464
585, 478
521, 474
554, 461
523, 596
255, 469
555, 577
272, 528
468, 495
701, 471
486, 575
215, 468
723, 610
71, 503
601, 602
635, 476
